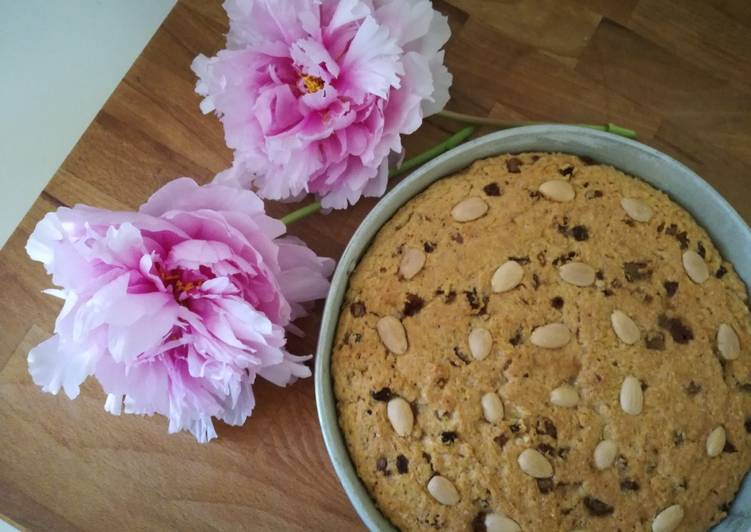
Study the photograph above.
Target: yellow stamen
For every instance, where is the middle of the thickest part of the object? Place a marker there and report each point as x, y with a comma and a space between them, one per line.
312, 83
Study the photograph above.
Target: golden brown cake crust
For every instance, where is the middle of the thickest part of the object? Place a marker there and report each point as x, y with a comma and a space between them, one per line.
689, 389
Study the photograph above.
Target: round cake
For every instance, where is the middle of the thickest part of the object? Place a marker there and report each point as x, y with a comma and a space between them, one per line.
540, 343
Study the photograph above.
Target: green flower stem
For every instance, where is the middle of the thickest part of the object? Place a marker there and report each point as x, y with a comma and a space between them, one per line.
302, 212
503, 124
451, 142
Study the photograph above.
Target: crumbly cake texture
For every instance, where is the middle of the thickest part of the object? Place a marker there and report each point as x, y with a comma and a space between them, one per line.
689, 389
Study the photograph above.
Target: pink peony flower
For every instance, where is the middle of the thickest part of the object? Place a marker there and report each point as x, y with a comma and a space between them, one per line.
177, 307
314, 94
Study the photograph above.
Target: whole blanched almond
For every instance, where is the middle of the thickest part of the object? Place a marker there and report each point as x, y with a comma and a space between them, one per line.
469, 209
577, 273
480, 342
632, 397
604, 454
625, 328
637, 209
400, 415
558, 190
564, 396
716, 441
534, 463
495, 522
727, 342
443, 490
668, 519
413, 261
392, 334
507, 276
695, 267
492, 407
551, 336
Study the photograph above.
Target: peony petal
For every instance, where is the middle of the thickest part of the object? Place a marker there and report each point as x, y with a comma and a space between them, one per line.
53, 365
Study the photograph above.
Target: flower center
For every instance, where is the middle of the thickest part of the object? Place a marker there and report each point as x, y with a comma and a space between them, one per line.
179, 287
312, 83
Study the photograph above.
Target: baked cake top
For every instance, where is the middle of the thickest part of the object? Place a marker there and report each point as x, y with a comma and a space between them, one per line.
541, 342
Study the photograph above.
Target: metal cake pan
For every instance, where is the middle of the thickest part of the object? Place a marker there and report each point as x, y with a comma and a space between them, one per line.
727, 229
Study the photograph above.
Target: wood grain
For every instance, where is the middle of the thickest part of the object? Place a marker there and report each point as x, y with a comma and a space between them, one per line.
677, 71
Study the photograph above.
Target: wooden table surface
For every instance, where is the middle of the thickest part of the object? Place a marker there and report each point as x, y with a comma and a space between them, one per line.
677, 71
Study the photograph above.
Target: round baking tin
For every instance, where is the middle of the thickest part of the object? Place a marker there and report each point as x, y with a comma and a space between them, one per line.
727, 229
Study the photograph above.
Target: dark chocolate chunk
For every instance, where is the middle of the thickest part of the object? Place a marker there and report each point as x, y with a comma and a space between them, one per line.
564, 258
557, 302
478, 523
629, 485
513, 164
661, 227
729, 448
545, 485
384, 394
671, 287
517, 338
381, 464
693, 388
599, 275
427, 457
637, 271
515, 428
544, 448
608, 292
596, 507
655, 340
566, 170
460, 355
629, 222
724, 507
520, 260
580, 233
680, 236
477, 302
534, 194
449, 437
429, 247
747, 424
450, 297
413, 304
680, 332
492, 189
546, 427
700, 250
357, 309
745, 387
402, 464
501, 440
721, 271
563, 452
